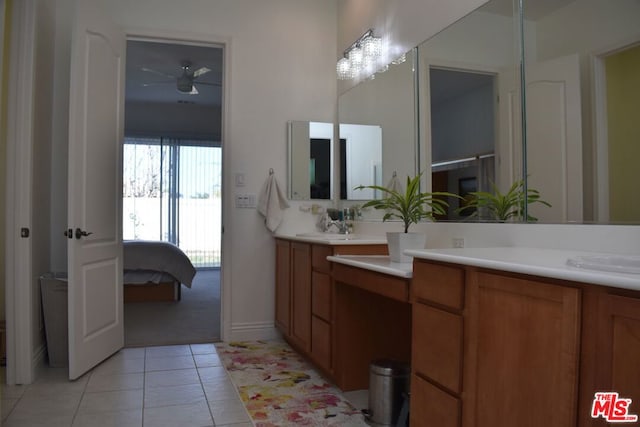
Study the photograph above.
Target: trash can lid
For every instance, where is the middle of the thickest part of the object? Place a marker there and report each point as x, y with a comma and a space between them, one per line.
389, 367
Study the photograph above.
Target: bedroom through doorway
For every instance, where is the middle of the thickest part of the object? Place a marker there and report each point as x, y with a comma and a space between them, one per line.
172, 192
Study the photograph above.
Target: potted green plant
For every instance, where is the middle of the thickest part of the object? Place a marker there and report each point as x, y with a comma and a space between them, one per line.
410, 207
500, 207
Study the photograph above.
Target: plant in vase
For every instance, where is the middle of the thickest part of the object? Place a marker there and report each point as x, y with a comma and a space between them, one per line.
502, 207
410, 206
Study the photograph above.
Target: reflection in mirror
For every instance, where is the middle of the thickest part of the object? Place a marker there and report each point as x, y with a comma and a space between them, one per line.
469, 104
310, 154
386, 103
582, 103
360, 160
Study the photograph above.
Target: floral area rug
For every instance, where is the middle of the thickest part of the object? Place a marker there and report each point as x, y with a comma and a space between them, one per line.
279, 388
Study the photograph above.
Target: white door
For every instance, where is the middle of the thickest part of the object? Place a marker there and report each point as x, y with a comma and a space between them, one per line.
554, 138
94, 192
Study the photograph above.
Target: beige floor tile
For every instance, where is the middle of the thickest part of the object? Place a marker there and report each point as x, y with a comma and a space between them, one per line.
196, 415
133, 353
118, 364
220, 390
131, 418
7, 407
168, 351
228, 412
169, 363
38, 420
173, 395
110, 401
212, 373
12, 391
170, 378
203, 349
205, 360
115, 382
43, 404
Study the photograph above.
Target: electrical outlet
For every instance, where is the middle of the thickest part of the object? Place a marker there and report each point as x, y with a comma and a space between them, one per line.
458, 242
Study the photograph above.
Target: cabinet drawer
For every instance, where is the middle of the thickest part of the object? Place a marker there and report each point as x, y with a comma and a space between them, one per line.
437, 346
321, 342
440, 284
319, 254
321, 295
431, 406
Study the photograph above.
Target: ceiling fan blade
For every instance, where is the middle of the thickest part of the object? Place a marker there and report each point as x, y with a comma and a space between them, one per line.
155, 83
210, 84
200, 71
149, 70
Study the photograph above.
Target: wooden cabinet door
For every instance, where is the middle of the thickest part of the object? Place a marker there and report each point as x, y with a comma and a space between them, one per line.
522, 361
283, 286
301, 295
618, 350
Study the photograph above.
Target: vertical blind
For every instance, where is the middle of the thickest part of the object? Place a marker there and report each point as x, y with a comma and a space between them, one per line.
172, 192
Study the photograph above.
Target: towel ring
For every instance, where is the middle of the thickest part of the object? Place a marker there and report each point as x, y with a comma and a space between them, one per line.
270, 171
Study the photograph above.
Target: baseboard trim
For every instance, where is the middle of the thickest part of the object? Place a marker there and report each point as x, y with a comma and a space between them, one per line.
252, 331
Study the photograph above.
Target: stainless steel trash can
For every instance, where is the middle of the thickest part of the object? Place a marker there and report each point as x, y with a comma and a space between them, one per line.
388, 382
53, 290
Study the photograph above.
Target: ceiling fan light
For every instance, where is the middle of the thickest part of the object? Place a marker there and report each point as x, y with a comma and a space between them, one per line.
184, 84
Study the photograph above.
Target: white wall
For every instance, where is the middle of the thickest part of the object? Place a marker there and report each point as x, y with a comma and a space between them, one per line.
282, 55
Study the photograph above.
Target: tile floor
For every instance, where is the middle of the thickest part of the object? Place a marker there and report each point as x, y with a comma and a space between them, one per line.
183, 385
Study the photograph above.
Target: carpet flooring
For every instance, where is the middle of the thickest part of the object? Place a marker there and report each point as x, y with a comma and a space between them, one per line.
194, 319
279, 388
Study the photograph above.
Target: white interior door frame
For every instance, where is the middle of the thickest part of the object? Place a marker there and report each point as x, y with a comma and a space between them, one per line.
426, 64
177, 37
600, 126
20, 123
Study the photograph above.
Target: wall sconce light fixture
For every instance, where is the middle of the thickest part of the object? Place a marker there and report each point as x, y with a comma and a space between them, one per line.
363, 54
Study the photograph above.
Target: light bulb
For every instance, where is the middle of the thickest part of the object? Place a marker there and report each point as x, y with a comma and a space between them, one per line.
343, 68
372, 47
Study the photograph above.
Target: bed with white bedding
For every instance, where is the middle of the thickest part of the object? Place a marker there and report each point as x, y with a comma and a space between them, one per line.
155, 271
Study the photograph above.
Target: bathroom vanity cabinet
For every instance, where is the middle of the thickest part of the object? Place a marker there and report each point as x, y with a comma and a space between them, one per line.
305, 312
492, 348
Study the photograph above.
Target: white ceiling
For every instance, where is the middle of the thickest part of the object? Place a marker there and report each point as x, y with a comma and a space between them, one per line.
166, 59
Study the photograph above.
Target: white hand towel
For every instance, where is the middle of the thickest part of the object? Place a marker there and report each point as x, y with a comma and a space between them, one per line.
394, 184
271, 203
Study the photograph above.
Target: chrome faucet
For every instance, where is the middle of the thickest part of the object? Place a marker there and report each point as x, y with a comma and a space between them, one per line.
343, 225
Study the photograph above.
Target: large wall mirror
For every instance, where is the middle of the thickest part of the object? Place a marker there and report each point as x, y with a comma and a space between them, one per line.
581, 102
382, 112
469, 105
582, 91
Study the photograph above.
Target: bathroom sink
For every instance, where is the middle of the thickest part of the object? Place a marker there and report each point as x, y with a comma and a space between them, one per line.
614, 263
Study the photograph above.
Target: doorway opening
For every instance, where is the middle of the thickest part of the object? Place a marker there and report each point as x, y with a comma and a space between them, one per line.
463, 134
172, 187
617, 92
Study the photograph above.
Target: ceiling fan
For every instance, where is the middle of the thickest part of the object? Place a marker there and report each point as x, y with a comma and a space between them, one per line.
185, 82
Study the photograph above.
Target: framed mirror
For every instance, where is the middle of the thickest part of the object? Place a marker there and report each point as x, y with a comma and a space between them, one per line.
310, 152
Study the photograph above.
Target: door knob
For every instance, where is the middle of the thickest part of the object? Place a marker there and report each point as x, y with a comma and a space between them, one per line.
80, 233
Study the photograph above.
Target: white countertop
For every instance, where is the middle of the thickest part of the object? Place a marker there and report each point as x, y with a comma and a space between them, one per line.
379, 263
335, 239
535, 261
